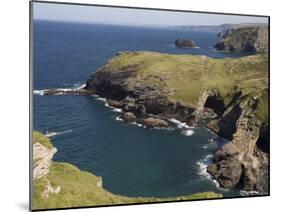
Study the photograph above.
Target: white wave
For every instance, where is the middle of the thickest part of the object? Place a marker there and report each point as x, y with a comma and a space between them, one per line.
60, 91
118, 118
172, 45
78, 86
249, 193
205, 146
101, 99
188, 132
117, 110
202, 170
180, 124
39, 92
51, 134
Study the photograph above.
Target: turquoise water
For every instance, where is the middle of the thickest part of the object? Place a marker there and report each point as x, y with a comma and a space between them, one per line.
132, 161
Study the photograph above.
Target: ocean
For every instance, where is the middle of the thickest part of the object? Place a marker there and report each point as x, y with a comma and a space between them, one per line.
132, 161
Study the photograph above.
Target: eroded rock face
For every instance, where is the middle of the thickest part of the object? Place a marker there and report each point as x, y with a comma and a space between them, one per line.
42, 160
127, 92
185, 43
237, 163
248, 39
154, 122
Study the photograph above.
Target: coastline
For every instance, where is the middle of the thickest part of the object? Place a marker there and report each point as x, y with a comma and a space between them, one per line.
125, 88
55, 188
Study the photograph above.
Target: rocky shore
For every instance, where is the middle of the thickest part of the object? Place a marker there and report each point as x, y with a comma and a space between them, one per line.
244, 39
152, 88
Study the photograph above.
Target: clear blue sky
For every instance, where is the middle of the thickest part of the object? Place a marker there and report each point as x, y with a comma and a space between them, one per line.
105, 15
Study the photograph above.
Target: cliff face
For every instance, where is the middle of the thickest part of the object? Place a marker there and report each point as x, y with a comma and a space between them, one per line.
42, 157
240, 162
183, 87
248, 39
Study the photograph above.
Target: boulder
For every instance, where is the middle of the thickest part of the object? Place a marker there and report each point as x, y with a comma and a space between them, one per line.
129, 117
114, 103
154, 122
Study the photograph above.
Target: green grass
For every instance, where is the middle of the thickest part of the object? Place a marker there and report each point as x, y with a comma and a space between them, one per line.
188, 75
39, 138
79, 188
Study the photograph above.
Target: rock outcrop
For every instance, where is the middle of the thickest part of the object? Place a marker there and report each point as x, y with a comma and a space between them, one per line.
154, 122
239, 162
185, 43
248, 39
128, 117
42, 160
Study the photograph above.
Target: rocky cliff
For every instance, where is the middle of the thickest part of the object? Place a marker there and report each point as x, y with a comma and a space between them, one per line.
146, 84
245, 39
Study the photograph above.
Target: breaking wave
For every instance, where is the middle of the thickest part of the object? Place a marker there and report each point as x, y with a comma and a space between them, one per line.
202, 170
75, 87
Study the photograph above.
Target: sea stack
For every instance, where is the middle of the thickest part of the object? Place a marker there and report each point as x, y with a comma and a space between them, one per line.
185, 43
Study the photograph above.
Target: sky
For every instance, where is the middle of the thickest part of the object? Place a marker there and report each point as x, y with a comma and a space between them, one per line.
122, 16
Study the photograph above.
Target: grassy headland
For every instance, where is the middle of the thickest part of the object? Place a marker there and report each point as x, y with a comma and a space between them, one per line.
187, 75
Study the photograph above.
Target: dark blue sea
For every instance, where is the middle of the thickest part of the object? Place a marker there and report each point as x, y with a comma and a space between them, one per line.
132, 161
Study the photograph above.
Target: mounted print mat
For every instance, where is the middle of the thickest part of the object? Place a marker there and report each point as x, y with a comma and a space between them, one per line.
137, 105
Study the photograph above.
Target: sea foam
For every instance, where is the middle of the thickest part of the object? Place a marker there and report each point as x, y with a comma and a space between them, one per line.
39, 92
202, 170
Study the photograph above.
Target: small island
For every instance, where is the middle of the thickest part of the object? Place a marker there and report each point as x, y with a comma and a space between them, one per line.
185, 43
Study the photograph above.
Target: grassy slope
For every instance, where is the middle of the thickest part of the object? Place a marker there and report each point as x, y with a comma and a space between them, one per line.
188, 75
79, 188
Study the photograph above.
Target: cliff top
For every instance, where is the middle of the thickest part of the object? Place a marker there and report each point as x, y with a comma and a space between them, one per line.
185, 76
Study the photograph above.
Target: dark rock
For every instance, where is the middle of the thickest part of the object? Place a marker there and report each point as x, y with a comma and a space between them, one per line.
52, 92
185, 43
114, 103
229, 173
154, 122
129, 117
